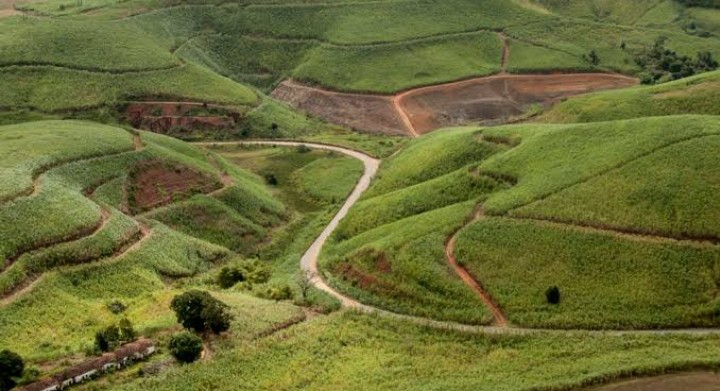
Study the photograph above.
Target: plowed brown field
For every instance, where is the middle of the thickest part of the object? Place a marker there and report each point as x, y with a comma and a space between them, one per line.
490, 100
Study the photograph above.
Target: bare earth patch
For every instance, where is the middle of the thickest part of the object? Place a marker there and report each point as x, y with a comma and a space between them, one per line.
155, 184
369, 113
162, 117
7, 9
490, 100
695, 381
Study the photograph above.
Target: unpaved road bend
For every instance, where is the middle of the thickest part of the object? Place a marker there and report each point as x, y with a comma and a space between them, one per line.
309, 262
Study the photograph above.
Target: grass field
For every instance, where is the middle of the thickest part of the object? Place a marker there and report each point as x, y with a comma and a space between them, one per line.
363, 353
605, 281
82, 253
589, 175
695, 95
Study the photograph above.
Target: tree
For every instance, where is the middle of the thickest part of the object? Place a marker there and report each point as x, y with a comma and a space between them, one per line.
229, 276
107, 339
11, 367
304, 283
552, 295
199, 311
185, 347
271, 179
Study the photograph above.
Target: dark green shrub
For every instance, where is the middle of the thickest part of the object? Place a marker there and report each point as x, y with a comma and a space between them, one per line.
116, 307
199, 311
185, 347
11, 368
229, 276
552, 295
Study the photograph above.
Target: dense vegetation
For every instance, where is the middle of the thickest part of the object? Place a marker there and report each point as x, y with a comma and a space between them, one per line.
389, 251
603, 215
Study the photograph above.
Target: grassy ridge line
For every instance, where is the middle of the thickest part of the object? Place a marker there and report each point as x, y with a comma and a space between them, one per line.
526, 172
66, 90
695, 95
44, 64
637, 234
118, 235
37, 175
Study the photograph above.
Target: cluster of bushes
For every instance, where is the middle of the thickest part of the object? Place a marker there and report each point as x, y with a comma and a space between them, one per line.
248, 273
661, 64
701, 3
197, 311
114, 335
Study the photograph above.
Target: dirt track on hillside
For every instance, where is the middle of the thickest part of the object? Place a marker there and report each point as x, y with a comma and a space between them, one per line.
491, 100
499, 318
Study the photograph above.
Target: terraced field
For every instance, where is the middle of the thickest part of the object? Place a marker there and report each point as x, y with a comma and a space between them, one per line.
547, 213
287, 150
59, 232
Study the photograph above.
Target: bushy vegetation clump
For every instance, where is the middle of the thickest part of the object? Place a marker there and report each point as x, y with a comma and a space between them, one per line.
661, 64
11, 368
186, 347
199, 311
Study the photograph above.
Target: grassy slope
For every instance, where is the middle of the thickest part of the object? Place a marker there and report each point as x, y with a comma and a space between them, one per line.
695, 95
354, 352
62, 312
605, 281
545, 161
389, 249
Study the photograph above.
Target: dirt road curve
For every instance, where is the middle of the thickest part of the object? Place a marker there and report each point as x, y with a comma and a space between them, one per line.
309, 261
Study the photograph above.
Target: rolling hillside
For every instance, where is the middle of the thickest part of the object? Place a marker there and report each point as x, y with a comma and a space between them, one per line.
561, 201
385, 194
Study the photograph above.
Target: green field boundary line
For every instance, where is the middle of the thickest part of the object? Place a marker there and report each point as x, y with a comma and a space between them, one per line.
42, 65
68, 238
647, 11
28, 283
251, 5
309, 265
608, 170
638, 234
37, 174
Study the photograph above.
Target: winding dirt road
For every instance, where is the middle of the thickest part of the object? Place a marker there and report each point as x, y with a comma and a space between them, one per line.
309, 262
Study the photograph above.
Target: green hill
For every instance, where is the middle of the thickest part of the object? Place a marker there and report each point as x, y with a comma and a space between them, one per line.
694, 95
571, 205
71, 192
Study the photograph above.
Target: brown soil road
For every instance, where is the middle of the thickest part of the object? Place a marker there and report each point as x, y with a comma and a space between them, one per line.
464, 274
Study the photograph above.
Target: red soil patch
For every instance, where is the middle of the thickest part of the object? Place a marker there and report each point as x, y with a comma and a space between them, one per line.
368, 113
161, 117
383, 264
494, 99
155, 183
356, 277
498, 98
696, 381
7, 8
